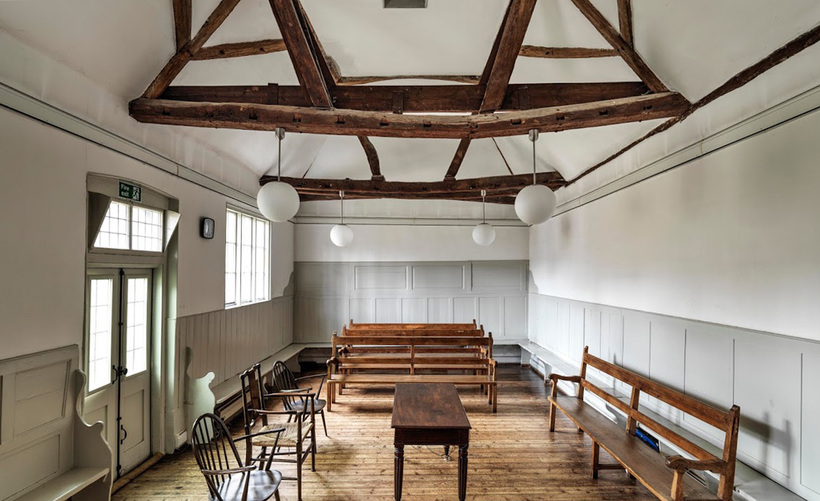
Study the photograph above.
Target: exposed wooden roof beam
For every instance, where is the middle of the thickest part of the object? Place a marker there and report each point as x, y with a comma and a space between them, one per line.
465, 187
372, 158
512, 33
455, 164
625, 21
289, 18
419, 98
182, 22
795, 46
360, 80
326, 65
185, 53
622, 46
565, 52
367, 123
240, 49
505, 199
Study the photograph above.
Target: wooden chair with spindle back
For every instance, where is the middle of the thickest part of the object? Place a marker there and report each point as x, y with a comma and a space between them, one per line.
227, 477
299, 432
287, 384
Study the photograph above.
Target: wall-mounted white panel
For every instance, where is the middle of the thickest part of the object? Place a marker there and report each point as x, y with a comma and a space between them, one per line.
16, 470
499, 276
379, 277
710, 364
450, 276
553, 330
666, 362
575, 345
439, 310
464, 310
363, 310
388, 310
413, 310
810, 432
592, 330
311, 277
562, 335
332, 316
515, 317
489, 314
636, 343
769, 398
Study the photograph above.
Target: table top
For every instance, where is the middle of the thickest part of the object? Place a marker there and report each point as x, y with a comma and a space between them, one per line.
428, 405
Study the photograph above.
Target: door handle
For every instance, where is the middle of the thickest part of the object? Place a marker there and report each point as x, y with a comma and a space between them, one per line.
125, 434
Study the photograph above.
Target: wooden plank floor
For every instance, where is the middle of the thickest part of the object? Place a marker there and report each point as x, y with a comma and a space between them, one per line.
512, 455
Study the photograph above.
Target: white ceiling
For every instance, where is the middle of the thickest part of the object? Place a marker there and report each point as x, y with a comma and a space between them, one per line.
693, 46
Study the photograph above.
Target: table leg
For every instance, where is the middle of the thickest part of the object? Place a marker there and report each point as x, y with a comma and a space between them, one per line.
398, 473
462, 472
446, 452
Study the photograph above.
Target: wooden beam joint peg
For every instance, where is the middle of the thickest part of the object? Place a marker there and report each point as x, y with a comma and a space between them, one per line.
273, 94
398, 102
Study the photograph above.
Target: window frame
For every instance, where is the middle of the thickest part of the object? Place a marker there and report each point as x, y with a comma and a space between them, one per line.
130, 218
258, 243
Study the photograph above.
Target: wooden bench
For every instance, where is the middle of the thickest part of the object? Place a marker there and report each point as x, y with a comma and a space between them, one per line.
412, 327
47, 451
373, 358
665, 477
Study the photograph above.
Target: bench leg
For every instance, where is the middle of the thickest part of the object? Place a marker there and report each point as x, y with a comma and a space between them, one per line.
677, 485
494, 392
329, 395
552, 416
596, 451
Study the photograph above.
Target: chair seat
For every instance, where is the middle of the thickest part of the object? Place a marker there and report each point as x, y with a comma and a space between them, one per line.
262, 485
318, 405
287, 438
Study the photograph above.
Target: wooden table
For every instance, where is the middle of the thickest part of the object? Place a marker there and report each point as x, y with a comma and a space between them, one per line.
429, 414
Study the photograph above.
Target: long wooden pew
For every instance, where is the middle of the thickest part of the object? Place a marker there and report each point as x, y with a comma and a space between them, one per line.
367, 358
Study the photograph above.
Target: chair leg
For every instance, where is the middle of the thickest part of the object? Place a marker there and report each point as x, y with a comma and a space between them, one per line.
299, 459
324, 424
313, 448
276, 494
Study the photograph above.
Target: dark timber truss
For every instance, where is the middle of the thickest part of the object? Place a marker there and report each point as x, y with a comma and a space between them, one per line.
326, 102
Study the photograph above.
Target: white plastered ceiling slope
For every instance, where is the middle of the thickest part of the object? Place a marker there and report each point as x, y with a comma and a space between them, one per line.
90, 57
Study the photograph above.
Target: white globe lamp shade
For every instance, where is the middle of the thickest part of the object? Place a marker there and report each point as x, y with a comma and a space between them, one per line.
535, 204
341, 235
278, 201
483, 234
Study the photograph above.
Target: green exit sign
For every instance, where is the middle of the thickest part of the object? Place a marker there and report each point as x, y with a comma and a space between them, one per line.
130, 191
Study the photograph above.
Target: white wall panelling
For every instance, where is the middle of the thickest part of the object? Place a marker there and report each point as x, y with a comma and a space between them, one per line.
226, 342
328, 295
771, 377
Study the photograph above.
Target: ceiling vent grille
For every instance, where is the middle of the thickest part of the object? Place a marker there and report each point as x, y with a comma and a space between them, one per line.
405, 4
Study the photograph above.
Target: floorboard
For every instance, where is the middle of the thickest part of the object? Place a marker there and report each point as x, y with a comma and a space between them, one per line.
512, 456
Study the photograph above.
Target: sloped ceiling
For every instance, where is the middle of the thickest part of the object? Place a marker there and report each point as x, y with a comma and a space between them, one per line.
693, 46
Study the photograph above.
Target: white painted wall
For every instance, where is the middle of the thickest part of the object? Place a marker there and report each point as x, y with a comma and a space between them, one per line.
43, 228
409, 243
730, 238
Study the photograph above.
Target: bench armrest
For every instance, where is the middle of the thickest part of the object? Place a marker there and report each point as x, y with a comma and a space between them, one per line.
680, 463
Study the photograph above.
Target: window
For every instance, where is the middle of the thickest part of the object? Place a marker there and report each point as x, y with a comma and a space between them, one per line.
131, 227
247, 258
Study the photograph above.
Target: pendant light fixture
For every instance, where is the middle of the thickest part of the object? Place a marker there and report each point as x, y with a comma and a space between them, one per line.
341, 234
483, 234
278, 201
535, 203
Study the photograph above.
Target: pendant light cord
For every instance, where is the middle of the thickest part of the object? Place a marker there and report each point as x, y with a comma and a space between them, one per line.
533, 159
483, 207
279, 163
342, 202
